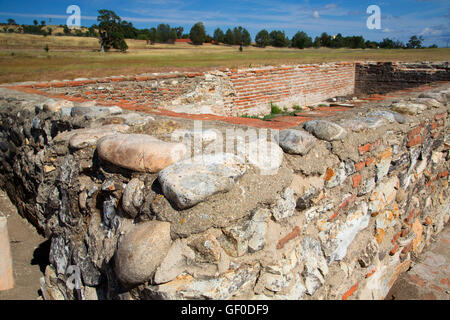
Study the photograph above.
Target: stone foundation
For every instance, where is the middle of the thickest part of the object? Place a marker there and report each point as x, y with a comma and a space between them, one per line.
334, 208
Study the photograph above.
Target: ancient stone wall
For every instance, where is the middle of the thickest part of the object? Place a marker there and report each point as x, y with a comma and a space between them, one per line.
382, 77
335, 208
235, 92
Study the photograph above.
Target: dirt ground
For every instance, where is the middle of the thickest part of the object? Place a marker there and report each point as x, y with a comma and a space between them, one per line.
29, 253
428, 278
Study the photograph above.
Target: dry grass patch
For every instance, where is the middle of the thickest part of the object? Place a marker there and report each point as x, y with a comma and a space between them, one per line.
23, 58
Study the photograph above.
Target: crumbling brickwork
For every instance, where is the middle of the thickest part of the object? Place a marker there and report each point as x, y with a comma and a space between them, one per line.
234, 92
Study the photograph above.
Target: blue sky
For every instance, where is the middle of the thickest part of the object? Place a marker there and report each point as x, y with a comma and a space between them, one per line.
400, 18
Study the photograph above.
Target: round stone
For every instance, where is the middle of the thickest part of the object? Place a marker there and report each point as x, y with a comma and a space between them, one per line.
141, 251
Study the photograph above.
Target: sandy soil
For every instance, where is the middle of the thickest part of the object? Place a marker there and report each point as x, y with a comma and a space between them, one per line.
29, 252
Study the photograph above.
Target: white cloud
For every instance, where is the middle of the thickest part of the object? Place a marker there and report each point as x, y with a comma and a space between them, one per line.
430, 32
316, 14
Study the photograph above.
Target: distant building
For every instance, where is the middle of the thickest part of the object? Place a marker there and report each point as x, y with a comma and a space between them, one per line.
183, 41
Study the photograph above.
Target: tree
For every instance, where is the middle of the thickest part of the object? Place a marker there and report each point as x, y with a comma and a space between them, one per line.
387, 43
66, 30
354, 42
262, 39
173, 35
246, 38
391, 44
35, 22
198, 33
179, 31
129, 32
338, 41
12, 22
152, 35
208, 38
229, 37
218, 36
162, 33
371, 44
92, 31
110, 30
325, 40
237, 35
317, 43
415, 42
278, 39
399, 45
301, 40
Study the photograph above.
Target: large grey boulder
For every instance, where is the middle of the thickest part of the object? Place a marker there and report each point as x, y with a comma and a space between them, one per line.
429, 102
191, 181
94, 110
141, 251
409, 108
295, 141
434, 95
388, 115
325, 130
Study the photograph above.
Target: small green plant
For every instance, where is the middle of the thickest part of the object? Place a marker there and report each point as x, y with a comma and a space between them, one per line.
297, 108
249, 117
46, 48
274, 109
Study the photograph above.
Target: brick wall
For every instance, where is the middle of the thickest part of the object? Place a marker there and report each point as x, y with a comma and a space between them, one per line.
236, 92
290, 85
229, 92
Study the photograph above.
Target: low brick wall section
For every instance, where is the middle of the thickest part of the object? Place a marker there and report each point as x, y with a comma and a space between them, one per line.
301, 85
235, 92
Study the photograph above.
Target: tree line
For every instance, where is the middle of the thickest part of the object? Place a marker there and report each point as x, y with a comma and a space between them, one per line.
301, 40
112, 32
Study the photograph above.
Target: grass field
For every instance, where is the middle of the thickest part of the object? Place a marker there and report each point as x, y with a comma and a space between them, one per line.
22, 57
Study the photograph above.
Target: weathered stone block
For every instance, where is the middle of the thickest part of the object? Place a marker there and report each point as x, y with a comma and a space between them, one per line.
191, 181
139, 152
